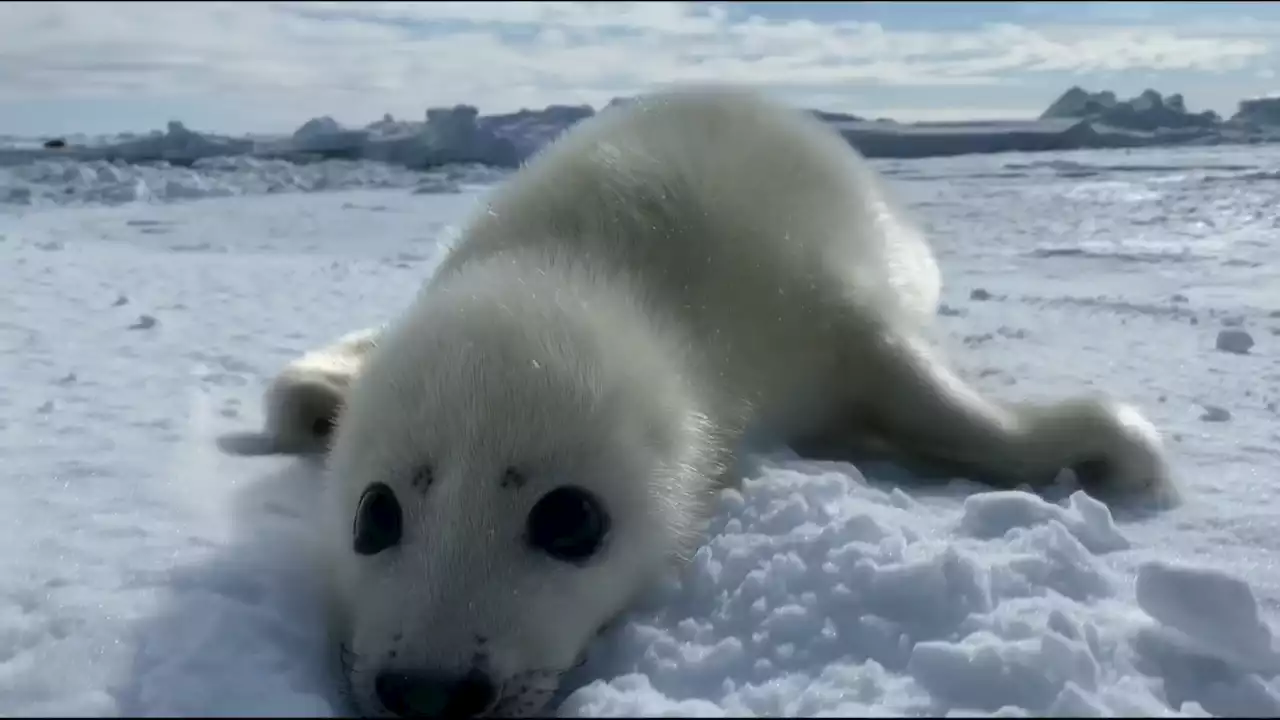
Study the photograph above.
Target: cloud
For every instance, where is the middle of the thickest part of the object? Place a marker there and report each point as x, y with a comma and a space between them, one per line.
294, 59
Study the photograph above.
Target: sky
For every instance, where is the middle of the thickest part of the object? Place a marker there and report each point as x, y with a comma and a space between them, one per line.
234, 67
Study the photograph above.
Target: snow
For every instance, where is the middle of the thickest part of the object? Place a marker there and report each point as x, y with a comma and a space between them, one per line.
143, 572
63, 181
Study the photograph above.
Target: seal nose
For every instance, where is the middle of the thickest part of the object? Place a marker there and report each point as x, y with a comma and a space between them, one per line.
408, 694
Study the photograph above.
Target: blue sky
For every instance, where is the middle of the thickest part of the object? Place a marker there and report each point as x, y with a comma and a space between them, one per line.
268, 66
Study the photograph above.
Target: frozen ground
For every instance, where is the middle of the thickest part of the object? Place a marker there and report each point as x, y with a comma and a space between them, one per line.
143, 573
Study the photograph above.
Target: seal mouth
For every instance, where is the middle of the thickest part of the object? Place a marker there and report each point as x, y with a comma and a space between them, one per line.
527, 694
346, 664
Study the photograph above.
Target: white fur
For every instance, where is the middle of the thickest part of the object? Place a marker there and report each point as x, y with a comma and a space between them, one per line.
304, 397
665, 278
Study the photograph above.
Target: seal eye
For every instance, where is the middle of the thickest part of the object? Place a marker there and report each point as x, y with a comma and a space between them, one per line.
568, 523
377, 525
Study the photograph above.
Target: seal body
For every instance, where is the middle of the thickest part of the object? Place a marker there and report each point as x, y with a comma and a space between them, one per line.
541, 433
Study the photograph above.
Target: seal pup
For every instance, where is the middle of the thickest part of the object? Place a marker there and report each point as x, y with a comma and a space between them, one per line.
542, 433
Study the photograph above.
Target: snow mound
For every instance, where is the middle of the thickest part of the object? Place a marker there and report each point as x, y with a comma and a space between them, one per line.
1215, 612
823, 593
996, 514
1209, 642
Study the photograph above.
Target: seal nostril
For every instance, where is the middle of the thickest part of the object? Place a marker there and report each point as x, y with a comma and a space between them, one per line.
1092, 473
422, 695
322, 427
472, 696
394, 691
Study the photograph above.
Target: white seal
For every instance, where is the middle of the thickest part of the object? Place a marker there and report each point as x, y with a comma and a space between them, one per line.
540, 435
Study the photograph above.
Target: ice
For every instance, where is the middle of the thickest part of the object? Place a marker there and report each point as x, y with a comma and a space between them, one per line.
995, 514
459, 134
1213, 413
1234, 340
143, 572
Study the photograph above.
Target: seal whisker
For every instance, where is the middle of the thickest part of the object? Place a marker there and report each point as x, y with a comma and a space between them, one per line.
347, 661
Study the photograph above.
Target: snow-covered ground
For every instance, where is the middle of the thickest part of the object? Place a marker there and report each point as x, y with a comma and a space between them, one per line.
144, 573
62, 182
